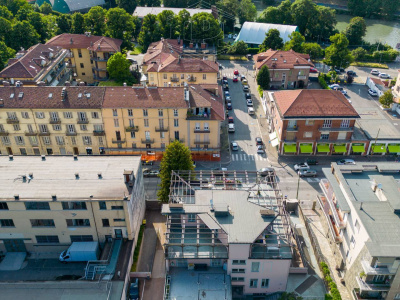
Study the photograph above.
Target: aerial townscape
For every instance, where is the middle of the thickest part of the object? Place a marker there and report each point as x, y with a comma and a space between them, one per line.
200, 150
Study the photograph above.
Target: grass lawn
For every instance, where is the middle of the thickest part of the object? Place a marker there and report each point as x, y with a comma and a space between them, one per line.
137, 50
232, 57
110, 83
370, 65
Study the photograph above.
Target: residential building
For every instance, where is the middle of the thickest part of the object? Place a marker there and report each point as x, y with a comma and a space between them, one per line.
46, 120
88, 54
142, 11
288, 69
71, 6
139, 120
313, 122
231, 222
40, 64
396, 94
360, 211
48, 203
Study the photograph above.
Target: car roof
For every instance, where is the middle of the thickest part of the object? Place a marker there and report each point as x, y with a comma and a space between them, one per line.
231, 125
234, 143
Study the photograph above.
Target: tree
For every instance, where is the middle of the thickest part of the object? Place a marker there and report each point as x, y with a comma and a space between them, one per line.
356, 30
278, 15
128, 5
77, 23
23, 35
183, 19
5, 13
389, 7
263, 78
150, 3
325, 25
338, 54
296, 42
359, 54
176, 157
206, 27
290, 296
95, 20
239, 47
118, 68
247, 11
5, 30
229, 9
5, 54
272, 41
46, 8
313, 49
269, 2
150, 31
175, 3
364, 8
304, 14
23, 13
386, 99
120, 25
14, 5
40, 25
64, 23
168, 24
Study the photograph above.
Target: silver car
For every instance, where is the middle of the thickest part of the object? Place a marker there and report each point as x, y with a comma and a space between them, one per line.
307, 173
346, 161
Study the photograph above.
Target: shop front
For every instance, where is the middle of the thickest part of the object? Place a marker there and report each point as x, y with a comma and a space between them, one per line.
306, 148
323, 149
358, 149
394, 149
339, 149
378, 149
290, 148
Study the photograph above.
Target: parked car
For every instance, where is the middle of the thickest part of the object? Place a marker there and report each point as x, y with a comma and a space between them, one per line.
301, 166
134, 289
259, 141
234, 146
265, 171
150, 173
242, 77
375, 72
250, 110
224, 78
245, 88
260, 150
226, 93
313, 70
235, 72
249, 102
230, 120
231, 128
384, 76
346, 161
372, 93
147, 162
351, 73
235, 79
334, 86
228, 100
337, 88
229, 105
247, 96
226, 87
244, 81
312, 161
224, 81
344, 92
307, 173
220, 66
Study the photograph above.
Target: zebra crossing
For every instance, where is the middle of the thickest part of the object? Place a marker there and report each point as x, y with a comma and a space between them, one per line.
247, 157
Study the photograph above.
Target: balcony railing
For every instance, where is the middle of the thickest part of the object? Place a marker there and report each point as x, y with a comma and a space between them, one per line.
99, 69
70, 54
99, 59
371, 286
328, 191
174, 79
192, 79
99, 133
201, 116
12, 121
148, 141
162, 129
292, 128
44, 133
54, 121
202, 130
30, 133
202, 142
369, 270
3, 133
118, 141
132, 128
70, 133
336, 129
357, 295
331, 224
83, 121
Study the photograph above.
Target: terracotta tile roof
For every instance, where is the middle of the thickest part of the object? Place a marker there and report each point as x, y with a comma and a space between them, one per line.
313, 103
159, 51
204, 95
189, 65
39, 97
82, 41
30, 65
278, 59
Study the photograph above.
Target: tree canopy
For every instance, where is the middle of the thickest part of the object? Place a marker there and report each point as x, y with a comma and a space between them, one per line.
272, 41
296, 42
263, 78
118, 68
150, 31
95, 20
356, 30
120, 25
247, 11
128, 5
239, 47
338, 54
386, 99
5, 54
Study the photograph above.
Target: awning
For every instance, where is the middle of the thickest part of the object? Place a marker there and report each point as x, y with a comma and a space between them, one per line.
306, 148
379, 148
339, 148
272, 136
290, 148
323, 148
274, 142
358, 148
394, 148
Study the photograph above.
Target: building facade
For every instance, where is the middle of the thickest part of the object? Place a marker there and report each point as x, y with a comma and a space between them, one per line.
88, 54
360, 207
313, 122
288, 69
68, 200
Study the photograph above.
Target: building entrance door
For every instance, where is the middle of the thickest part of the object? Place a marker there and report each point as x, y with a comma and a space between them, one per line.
118, 233
15, 245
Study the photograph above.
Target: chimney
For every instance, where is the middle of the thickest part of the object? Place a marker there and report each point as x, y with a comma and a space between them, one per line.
191, 45
124, 83
43, 157
203, 45
71, 41
63, 93
187, 93
76, 175
88, 33
217, 91
6, 83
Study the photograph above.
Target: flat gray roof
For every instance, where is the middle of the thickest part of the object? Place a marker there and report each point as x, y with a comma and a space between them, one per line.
56, 176
373, 121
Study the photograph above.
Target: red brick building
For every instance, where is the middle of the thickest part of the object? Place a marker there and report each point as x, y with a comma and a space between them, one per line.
313, 122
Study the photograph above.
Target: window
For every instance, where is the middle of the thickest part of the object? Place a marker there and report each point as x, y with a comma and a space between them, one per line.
42, 223
37, 206
206, 126
353, 241
46, 140
130, 112
16, 127
81, 238
87, 140
160, 113
176, 122
83, 128
43, 128
176, 111
47, 239
78, 222
71, 128
40, 115
119, 220
95, 115
131, 123
116, 123
162, 145
100, 139
60, 140
345, 124
145, 113
79, 53
238, 270
68, 115
117, 207
106, 222
165, 76
302, 73
357, 226
73, 140
98, 127
6, 223
237, 278
2, 127
24, 115
146, 122
325, 136
253, 283
204, 76
33, 140
238, 262
19, 140
82, 65
133, 134
115, 113
197, 126
3, 206
327, 124
5, 140
133, 145
73, 205
56, 127
308, 134
264, 283
255, 266
102, 205
191, 217
309, 122
162, 134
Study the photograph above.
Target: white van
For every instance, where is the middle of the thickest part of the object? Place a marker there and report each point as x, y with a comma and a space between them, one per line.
250, 110
231, 127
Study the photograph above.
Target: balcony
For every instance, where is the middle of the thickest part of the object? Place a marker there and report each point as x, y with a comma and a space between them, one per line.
69, 65
99, 133
202, 130
294, 128
328, 191
329, 219
30, 133
381, 270
12, 121
70, 54
372, 286
99, 69
3, 133
162, 129
336, 129
182, 140
82, 121
70, 133
202, 142
301, 77
174, 79
200, 116
132, 128
54, 121
44, 133
191, 79
118, 141
99, 59
148, 141
365, 296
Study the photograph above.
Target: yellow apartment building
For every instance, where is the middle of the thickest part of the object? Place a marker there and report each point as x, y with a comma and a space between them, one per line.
88, 54
139, 120
48, 203
51, 120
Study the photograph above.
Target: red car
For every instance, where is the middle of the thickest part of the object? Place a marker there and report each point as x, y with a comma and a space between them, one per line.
230, 120
235, 79
236, 72
313, 70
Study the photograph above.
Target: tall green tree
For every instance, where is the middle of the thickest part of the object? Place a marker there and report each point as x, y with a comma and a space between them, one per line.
271, 15
77, 23
14, 5
205, 27
356, 30
23, 13
364, 8
64, 23
5, 30
118, 68
150, 31
263, 78
229, 10
389, 7
23, 35
150, 3
313, 49
290, 296
5, 13
359, 53
184, 24
239, 47
40, 25
128, 5
175, 3
338, 53
296, 42
247, 11
5, 54
272, 41
304, 14
168, 24
176, 157
120, 25
46, 8
95, 20
325, 25
386, 99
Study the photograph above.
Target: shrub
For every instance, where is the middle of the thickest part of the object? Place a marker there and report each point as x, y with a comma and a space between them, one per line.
324, 85
253, 50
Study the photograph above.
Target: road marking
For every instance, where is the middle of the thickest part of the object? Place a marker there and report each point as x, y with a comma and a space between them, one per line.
313, 179
395, 124
251, 157
244, 156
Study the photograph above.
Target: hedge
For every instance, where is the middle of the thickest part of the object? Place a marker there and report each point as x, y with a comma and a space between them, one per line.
253, 50
322, 82
334, 292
